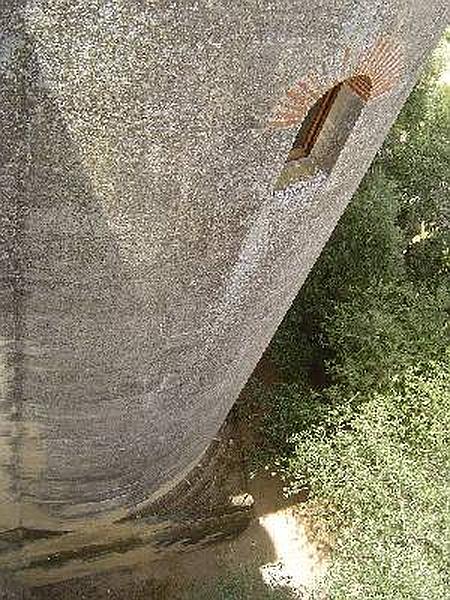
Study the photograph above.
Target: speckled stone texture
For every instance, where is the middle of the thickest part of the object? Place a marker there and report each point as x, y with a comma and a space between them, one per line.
146, 260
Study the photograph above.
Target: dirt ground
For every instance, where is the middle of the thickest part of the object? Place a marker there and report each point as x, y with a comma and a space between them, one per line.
277, 543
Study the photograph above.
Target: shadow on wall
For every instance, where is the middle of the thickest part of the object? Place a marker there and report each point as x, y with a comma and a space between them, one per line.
86, 440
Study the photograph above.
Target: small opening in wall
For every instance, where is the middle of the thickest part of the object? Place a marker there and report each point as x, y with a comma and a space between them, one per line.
312, 125
324, 131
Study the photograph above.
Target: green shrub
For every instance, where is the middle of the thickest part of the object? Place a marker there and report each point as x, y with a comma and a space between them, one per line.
363, 418
416, 156
382, 331
365, 249
384, 480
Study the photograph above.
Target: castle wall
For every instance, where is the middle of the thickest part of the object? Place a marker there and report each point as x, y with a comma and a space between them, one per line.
154, 261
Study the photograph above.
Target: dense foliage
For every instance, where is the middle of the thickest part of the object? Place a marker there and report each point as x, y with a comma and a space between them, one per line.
363, 418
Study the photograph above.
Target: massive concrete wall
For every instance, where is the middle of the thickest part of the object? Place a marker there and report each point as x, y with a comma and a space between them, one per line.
146, 259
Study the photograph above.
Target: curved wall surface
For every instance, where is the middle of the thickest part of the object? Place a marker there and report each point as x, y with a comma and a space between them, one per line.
146, 256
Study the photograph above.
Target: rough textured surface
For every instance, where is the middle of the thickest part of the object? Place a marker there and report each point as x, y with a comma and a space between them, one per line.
145, 259
209, 507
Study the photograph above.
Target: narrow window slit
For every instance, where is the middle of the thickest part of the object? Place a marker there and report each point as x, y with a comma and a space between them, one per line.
324, 131
312, 125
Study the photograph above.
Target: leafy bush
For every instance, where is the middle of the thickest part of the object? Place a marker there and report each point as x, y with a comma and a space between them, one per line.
363, 418
381, 331
416, 157
365, 249
384, 480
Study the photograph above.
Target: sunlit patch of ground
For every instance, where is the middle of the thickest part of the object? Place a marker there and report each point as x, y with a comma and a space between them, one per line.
298, 562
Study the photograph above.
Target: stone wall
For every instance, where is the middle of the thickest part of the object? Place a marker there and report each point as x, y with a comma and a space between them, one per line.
146, 259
